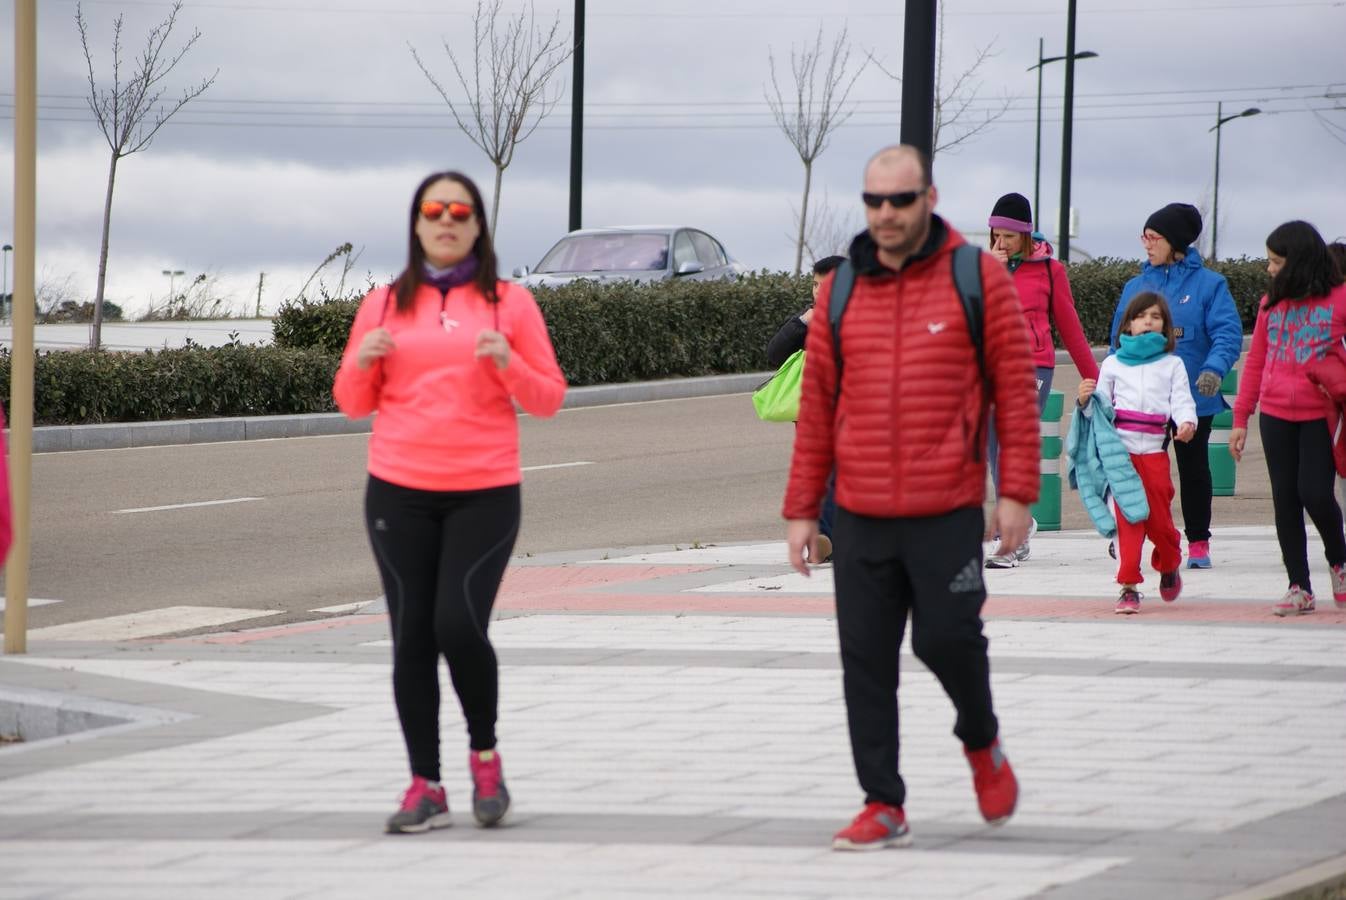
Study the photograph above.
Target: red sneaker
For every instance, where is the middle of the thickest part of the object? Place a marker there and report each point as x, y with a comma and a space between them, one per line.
997, 789
423, 807
879, 825
490, 800
1170, 585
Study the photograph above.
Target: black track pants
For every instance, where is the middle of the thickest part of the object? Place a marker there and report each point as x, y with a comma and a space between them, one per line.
930, 568
441, 555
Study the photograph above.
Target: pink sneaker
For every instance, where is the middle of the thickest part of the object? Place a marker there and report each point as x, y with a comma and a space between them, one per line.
490, 800
1295, 602
1339, 586
1198, 555
423, 807
1170, 585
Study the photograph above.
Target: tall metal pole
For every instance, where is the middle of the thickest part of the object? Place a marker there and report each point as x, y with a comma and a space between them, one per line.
1064, 236
1037, 152
918, 76
21, 371
1215, 213
577, 120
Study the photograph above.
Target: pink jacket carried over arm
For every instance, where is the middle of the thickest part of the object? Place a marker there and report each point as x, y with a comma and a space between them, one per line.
6, 511
446, 420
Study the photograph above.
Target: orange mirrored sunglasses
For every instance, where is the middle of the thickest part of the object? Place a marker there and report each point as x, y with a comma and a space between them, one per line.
434, 210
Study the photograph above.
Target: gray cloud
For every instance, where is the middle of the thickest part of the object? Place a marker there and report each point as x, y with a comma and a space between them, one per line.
249, 180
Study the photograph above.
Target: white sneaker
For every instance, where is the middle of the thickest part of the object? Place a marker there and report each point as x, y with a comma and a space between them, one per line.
1020, 554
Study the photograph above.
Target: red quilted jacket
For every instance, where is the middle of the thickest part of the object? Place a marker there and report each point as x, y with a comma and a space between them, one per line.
904, 432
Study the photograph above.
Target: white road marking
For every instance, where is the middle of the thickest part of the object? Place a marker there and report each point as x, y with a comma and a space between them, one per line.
148, 623
341, 607
32, 601
557, 466
141, 509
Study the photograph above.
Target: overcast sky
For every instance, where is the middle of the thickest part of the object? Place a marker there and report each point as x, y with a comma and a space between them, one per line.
319, 125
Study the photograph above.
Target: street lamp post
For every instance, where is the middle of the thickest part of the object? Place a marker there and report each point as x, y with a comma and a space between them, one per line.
1037, 153
1215, 212
172, 273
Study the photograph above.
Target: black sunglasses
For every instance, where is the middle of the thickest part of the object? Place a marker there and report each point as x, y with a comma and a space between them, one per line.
896, 201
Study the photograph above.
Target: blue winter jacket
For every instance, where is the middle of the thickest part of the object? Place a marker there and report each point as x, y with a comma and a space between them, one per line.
1209, 331
1097, 463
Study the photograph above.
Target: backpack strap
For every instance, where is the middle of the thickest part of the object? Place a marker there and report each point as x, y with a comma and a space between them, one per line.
843, 282
967, 281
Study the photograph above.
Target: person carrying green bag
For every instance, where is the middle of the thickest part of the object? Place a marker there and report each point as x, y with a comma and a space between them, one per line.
780, 396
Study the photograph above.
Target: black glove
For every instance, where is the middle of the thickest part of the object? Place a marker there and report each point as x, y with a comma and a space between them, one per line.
1208, 383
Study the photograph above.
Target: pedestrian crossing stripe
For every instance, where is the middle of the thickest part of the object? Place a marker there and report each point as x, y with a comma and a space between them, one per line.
149, 623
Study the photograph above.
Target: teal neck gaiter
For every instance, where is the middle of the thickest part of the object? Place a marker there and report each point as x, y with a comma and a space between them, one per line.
1138, 349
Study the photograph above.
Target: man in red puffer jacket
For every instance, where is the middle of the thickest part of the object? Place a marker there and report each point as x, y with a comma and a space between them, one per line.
906, 435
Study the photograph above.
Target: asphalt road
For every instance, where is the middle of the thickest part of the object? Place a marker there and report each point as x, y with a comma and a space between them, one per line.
661, 473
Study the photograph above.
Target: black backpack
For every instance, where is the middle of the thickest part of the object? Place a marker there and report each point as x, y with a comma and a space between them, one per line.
966, 280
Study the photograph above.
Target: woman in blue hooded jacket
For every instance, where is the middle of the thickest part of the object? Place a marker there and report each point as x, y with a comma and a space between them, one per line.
1210, 339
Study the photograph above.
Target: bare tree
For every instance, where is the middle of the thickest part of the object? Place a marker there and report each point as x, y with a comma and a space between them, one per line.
816, 109
132, 112
513, 61
958, 116
830, 230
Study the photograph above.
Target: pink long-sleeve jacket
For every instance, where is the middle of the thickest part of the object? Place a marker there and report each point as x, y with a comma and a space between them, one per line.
446, 420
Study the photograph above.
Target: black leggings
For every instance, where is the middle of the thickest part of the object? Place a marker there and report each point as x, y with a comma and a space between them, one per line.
441, 556
1194, 484
1299, 461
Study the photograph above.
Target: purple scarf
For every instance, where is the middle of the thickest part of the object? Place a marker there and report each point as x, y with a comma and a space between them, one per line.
452, 277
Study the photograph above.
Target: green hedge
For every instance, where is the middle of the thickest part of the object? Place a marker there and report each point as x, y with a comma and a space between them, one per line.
629, 332
322, 324
603, 333
1097, 284
83, 387
612, 332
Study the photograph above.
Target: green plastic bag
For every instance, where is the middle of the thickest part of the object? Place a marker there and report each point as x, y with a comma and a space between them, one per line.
778, 399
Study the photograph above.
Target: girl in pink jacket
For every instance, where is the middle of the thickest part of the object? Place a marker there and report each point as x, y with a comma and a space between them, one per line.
1044, 294
1303, 312
442, 355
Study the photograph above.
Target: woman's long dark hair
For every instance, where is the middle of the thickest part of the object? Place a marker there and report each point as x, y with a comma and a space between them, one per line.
1309, 269
483, 249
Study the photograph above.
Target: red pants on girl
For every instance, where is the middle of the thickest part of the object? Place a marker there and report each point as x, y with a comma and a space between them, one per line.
1159, 528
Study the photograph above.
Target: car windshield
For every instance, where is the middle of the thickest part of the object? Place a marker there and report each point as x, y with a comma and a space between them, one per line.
624, 252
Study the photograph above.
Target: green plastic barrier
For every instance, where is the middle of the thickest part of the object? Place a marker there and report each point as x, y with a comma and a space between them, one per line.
1048, 508
1222, 469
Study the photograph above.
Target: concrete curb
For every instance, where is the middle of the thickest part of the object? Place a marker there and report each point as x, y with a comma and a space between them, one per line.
1324, 881
116, 435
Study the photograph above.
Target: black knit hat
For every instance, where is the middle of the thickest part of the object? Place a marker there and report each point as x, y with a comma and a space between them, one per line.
1012, 212
1177, 223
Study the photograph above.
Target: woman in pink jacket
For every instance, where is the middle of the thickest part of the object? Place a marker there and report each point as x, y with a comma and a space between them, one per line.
442, 355
1303, 312
1044, 294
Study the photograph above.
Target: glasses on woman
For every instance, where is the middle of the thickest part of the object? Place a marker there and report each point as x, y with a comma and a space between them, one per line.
434, 210
1147, 239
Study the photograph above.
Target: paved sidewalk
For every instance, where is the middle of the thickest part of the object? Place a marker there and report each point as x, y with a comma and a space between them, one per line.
672, 726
